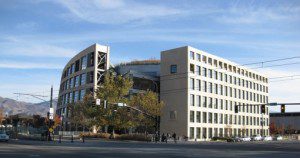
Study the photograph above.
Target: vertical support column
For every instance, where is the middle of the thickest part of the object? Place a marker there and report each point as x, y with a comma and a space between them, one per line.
95, 69
107, 57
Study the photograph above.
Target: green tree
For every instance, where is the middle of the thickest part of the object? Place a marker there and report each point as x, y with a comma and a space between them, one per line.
115, 89
149, 103
38, 121
80, 113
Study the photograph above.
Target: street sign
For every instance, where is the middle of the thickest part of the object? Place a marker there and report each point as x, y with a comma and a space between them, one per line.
98, 101
51, 113
51, 116
121, 104
273, 104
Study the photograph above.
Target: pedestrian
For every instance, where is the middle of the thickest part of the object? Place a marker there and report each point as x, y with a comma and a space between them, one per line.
156, 137
167, 137
174, 136
163, 137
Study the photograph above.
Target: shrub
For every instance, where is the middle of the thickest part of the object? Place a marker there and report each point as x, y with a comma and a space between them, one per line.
31, 137
95, 135
136, 137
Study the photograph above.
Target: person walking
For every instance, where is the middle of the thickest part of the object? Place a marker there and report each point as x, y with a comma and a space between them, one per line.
163, 137
167, 137
174, 136
156, 137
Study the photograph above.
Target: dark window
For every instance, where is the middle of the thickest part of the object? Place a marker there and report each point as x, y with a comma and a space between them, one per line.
192, 68
65, 74
90, 59
143, 84
173, 69
91, 77
77, 64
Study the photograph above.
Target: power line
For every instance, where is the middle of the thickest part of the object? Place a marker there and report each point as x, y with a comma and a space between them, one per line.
276, 65
268, 61
283, 77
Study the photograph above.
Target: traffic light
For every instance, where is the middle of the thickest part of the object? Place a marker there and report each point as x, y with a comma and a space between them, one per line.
282, 108
263, 108
93, 102
236, 109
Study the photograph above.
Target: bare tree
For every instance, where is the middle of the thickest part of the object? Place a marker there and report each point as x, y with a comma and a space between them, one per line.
1, 116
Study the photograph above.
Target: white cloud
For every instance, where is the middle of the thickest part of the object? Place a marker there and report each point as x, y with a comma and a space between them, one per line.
26, 46
43, 50
29, 65
121, 11
115, 11
252, 13
51, 46
285, 91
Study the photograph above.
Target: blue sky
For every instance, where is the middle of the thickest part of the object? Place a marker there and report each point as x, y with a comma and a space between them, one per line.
37, 38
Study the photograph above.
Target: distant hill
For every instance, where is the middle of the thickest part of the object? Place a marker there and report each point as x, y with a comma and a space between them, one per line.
13, 107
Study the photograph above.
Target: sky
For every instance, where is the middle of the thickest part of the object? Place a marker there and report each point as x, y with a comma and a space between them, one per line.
37, 38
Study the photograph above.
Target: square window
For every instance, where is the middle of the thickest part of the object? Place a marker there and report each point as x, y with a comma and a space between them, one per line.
173, 69
192, 68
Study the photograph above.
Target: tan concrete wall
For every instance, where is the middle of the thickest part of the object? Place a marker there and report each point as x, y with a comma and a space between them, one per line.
173, 91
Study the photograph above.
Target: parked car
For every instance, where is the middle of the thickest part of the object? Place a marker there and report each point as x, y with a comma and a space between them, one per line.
268, 138
246, 139
3, 136
233, 139
256, 138
219, 138
278, 137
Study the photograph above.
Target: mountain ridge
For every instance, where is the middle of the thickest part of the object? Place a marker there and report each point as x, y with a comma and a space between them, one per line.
13, 107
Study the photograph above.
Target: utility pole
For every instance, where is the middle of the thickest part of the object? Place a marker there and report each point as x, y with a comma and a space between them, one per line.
50, 115
51, 106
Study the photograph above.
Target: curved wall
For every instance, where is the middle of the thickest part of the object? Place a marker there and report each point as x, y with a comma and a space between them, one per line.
82, 74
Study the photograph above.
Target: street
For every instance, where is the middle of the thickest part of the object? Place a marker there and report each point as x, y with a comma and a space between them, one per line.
107, 149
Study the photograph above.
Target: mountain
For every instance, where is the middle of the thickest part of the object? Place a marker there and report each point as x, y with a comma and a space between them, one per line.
13, 107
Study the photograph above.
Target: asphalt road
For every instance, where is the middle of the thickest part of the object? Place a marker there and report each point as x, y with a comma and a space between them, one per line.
113, 149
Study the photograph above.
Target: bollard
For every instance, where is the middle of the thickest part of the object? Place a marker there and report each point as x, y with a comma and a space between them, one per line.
59, 140
72, 139
82, 138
